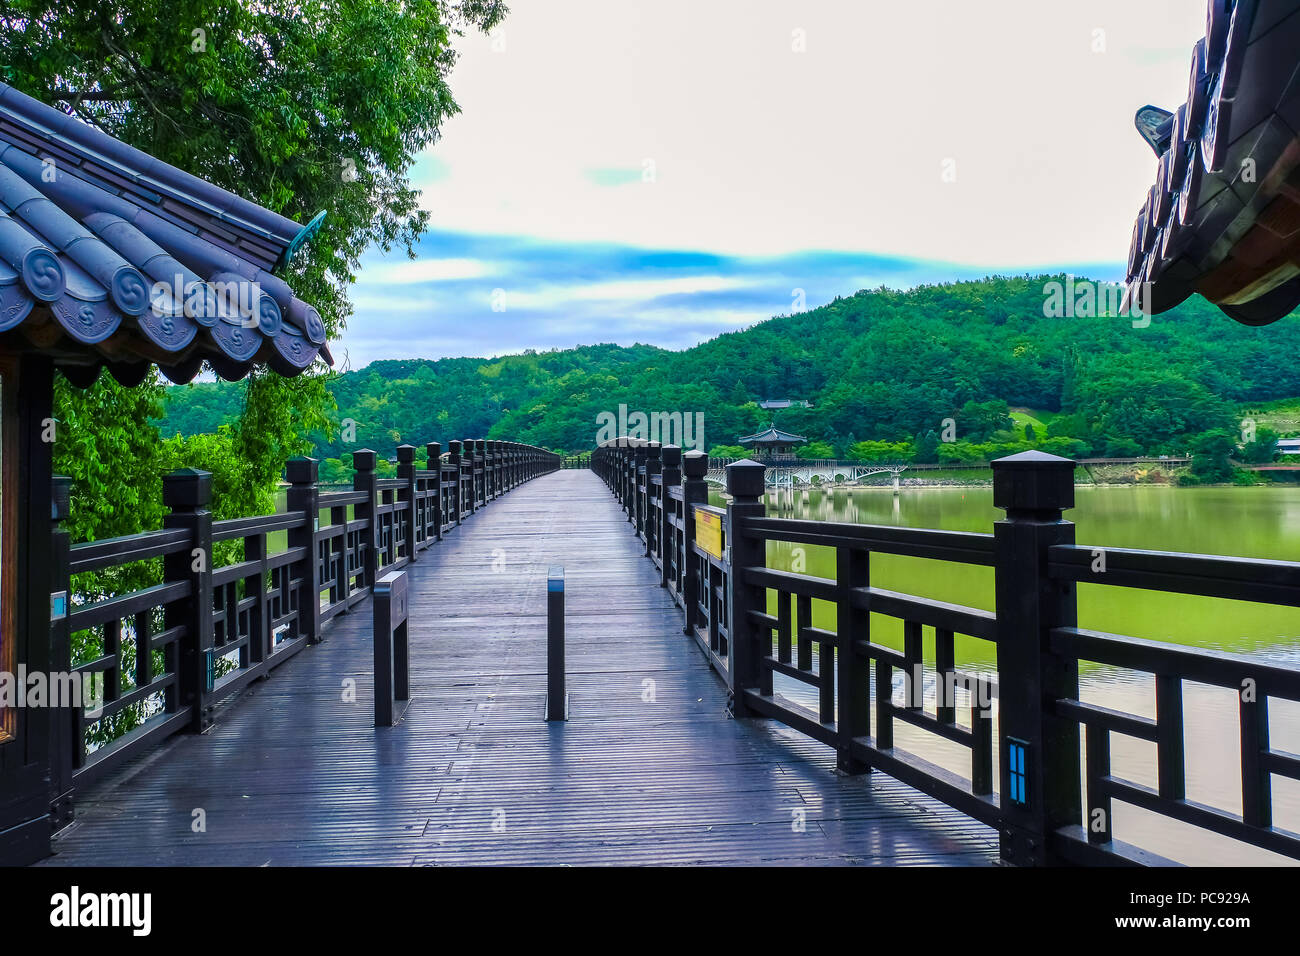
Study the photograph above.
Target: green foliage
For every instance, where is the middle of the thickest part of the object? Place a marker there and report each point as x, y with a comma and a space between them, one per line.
277, 102
882, 451
879, 366
1262, 450
815, 449
1211, 456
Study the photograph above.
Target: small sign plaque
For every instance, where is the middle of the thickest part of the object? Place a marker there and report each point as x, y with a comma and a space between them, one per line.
708, 532
58, 605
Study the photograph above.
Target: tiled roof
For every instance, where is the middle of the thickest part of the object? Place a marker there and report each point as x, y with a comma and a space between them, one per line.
773, 434
1223, 216
110, 257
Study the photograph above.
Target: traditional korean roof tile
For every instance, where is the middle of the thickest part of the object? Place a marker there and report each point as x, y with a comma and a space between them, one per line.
1223, 216
773, 435
110, 257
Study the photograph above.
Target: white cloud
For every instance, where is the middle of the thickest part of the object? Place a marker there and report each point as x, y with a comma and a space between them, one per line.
407, 271
758, 150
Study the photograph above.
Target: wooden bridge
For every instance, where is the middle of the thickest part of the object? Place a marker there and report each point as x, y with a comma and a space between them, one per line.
649, 768
711, 718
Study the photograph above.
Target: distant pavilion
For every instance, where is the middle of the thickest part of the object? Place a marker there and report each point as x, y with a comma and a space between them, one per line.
772, 443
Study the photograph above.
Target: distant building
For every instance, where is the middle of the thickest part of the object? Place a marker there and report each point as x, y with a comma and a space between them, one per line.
1288, 446
772, 443
775, 403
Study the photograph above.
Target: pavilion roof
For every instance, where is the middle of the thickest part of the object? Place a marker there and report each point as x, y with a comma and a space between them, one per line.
111, 257
773, 435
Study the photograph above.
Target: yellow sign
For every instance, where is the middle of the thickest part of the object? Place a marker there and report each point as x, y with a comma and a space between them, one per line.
708, 532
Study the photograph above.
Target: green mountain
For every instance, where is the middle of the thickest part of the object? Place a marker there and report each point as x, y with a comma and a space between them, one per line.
879, 365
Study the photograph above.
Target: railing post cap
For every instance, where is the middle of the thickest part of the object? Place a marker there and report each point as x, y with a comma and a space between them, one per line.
671, 456
363, 459
745, 479
301, 470
405, 454
433, 449
1033, 481
187, 488
695, 464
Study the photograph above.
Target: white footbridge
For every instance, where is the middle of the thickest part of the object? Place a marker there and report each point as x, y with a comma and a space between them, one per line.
807, 473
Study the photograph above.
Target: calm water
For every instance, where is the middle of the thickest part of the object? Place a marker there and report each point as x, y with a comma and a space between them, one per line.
1248, 522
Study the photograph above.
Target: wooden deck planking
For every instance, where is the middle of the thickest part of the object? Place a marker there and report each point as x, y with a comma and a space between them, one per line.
293, 774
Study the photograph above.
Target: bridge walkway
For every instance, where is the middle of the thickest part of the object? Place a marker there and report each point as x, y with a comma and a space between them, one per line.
649, 769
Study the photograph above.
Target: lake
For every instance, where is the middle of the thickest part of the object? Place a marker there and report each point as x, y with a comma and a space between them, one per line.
1261, 522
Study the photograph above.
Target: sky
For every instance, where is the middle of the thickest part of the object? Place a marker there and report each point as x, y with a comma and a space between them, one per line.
662, 171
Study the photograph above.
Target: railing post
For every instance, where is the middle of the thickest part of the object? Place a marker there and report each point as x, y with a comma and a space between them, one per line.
364, 479
68, 742
653, 467
639, 455
1034, 489
670, 475
434, 451
406, 473
304, 496
453, 459
188, 492
695, 491
745, 484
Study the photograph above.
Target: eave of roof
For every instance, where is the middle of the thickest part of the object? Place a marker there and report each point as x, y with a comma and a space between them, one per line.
773, 434
109, 257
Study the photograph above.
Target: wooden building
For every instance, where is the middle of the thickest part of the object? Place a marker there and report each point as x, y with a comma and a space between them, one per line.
772, 443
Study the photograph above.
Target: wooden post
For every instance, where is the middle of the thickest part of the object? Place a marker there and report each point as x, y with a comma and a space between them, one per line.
852, 676
556, 697
304, 497
434, 451
188, 492
406, 496
649, 523
453, 459
67, 744
364, 479
695, 491
670, 459
745, 484
639, 455
1034, 489
391, 649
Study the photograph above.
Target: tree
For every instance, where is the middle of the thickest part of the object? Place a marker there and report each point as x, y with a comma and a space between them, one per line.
815, 449
299, 106
927, 448
1262, 449
1211, 454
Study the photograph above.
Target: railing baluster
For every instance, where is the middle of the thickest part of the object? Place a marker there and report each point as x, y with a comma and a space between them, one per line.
1097, 752
1169, 730
1256, 782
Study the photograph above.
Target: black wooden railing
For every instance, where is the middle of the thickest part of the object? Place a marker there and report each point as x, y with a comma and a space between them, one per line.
1035, 802
167, 655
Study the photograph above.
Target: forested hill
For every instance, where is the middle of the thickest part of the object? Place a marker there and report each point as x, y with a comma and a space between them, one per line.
878, 365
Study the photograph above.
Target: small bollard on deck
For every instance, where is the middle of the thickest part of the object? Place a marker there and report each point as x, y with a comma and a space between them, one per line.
392, 656
557, 700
